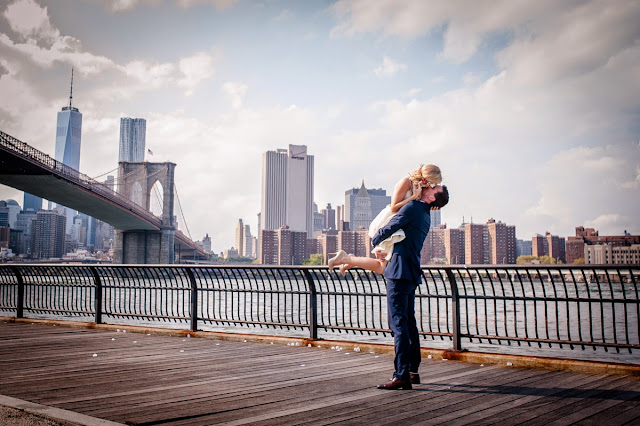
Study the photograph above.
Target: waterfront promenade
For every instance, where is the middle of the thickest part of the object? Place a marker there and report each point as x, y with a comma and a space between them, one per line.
99, 376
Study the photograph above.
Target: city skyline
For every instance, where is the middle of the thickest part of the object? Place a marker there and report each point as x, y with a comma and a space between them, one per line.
530, 109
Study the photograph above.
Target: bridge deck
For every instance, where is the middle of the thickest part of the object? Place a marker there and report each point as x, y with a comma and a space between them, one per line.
154, 379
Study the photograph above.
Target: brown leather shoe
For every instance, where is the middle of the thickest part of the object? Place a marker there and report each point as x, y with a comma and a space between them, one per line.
414, 378
396, 383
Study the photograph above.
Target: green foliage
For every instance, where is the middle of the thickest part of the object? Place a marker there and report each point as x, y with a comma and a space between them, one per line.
525, 260
543, 260
579, 261
314, 259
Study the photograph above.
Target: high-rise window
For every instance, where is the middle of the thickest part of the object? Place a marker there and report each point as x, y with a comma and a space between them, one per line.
133, 133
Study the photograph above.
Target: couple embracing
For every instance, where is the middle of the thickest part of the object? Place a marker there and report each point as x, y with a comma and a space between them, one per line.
398, 234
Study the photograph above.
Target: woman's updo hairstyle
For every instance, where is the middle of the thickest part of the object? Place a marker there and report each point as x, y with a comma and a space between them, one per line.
426, 175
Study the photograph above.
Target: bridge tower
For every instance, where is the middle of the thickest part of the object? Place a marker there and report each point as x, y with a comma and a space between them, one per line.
136, 183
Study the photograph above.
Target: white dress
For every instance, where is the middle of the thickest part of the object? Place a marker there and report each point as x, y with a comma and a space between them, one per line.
381, 220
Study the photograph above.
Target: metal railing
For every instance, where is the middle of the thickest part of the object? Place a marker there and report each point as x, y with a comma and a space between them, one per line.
546, 306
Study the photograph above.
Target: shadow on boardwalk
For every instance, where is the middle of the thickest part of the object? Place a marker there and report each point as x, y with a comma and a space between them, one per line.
151, 379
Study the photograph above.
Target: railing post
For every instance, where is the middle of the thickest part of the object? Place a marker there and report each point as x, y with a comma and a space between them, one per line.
313, 305
455, 311
97, 295
20, 301
193, 307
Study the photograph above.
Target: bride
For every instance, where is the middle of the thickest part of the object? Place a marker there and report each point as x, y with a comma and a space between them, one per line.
407, 189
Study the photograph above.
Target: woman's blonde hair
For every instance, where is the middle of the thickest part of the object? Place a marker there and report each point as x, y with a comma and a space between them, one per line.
426, 174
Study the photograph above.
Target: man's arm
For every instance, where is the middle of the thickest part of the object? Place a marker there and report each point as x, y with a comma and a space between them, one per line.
399, 221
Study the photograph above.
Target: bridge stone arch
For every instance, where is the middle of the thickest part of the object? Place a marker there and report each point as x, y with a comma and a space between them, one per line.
143, 247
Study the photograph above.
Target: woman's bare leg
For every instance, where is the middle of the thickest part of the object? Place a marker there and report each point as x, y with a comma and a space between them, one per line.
367, 263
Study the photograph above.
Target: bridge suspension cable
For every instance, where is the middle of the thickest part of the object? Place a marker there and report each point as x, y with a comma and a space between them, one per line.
105, 173
175, 189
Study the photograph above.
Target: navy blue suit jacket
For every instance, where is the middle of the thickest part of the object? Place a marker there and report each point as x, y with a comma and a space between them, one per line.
415, 219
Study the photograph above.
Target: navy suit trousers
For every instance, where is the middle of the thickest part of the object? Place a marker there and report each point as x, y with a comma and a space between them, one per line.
401, 296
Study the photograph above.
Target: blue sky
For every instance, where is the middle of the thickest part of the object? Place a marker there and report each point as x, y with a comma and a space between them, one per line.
531, 109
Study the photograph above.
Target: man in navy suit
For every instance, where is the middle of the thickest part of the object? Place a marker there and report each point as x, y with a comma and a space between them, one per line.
403, 274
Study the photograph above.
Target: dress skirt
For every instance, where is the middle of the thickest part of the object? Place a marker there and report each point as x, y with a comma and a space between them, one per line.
381, 220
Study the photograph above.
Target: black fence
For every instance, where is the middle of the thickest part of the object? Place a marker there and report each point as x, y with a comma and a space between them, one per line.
565, 307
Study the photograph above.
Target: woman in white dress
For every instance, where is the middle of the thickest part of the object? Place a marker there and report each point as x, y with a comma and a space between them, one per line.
407, 189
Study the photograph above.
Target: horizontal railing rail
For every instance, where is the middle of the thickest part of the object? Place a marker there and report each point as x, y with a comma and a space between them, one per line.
558, 306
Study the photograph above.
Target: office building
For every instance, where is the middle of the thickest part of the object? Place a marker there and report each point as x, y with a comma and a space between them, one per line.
240, 237
340, 222
329, 217
133, 133
16, 241
23, 223
68, 138
318, 219
244, 240
5, 235
248, 243
436, 218
287, 190
48, 234
577, 247
32, 202
523, 248
608, 254
362, 205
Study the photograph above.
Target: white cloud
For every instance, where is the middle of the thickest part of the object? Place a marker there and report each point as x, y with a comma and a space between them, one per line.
196, 68
389, 67
30, 21
567, 35
121, 5
284, 15
64, 50
235, 92
219, 4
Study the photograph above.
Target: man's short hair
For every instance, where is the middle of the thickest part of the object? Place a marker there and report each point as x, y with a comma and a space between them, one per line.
442, 198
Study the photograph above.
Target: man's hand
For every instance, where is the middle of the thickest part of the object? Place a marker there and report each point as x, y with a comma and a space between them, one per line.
416, 190
380, 255
435, 208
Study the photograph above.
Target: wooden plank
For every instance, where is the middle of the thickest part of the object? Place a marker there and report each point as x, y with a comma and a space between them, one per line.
152, 381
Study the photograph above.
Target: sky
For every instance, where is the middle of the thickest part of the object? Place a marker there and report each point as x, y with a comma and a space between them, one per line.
530, 108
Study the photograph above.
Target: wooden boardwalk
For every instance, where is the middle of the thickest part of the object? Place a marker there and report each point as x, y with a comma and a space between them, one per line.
142, 379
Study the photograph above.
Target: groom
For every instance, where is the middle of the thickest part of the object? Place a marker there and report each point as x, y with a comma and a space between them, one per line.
403, 275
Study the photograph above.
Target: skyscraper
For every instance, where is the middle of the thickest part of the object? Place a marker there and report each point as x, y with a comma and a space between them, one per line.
287, 190
133, 133
240, 240
32, 202
68, 138
48, 234
362, 205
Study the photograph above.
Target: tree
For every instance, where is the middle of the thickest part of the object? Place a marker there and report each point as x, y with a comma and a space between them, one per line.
547, 260
525, 259
314, 259
579, 261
